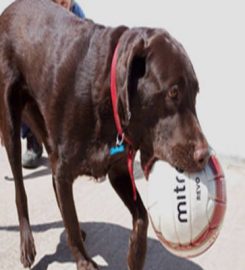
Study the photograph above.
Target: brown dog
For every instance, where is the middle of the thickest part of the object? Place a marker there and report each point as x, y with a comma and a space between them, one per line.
55, 72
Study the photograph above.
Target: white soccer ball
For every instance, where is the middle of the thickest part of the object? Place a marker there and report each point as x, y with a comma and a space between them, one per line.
186, 210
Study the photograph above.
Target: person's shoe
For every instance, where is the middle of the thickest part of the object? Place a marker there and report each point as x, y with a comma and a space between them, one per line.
31, 158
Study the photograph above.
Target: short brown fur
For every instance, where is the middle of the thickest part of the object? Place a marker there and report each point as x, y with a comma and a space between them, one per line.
55, 74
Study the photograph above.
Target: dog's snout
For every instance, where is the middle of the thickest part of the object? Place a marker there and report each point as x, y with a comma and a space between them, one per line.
201, 156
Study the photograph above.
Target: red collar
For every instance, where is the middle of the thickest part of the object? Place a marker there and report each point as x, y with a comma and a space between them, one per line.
120, 133
114, 91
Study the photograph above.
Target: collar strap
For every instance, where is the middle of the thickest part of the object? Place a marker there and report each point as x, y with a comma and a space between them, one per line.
121, 136
114, 92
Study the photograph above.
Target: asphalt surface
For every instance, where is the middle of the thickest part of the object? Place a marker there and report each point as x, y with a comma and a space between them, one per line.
108, 223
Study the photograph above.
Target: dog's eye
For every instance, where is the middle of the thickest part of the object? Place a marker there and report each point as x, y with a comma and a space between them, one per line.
173, 92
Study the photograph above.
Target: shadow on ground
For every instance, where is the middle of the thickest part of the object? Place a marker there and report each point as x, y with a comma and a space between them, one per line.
110, 242
45, 170
29, 174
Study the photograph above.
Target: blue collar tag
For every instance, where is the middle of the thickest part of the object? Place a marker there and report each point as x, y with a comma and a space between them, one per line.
117, 149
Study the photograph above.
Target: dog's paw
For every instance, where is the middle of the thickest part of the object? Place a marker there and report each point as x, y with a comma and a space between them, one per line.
87, 265
28, 251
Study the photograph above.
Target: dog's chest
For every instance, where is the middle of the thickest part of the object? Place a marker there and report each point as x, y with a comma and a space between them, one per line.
97, 161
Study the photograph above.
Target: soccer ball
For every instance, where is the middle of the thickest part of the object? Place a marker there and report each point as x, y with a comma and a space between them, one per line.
186, 210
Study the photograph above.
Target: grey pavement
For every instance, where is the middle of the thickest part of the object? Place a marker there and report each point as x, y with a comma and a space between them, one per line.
108, 223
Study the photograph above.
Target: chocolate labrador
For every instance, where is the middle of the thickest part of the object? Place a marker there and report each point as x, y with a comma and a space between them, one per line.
57, 72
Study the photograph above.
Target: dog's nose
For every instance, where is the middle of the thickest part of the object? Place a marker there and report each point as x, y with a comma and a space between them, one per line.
201, 156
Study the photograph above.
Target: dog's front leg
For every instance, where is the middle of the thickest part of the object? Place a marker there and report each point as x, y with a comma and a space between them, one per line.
66, 204
121, 182
138, 238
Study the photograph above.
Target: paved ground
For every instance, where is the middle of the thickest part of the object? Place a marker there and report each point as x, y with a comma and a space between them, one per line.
108, 224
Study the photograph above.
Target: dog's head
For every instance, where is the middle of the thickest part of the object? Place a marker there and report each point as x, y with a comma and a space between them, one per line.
157, 89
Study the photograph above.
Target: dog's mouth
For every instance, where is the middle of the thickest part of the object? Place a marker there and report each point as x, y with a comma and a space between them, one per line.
148, 167
179, 170
180, 157
181, 165
148, 164
187, 158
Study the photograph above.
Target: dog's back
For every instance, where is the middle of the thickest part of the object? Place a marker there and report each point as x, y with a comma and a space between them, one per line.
59, 65
41, 34
38, 39
50, 53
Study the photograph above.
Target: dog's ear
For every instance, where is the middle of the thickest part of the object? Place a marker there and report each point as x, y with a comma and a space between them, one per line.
130, 68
